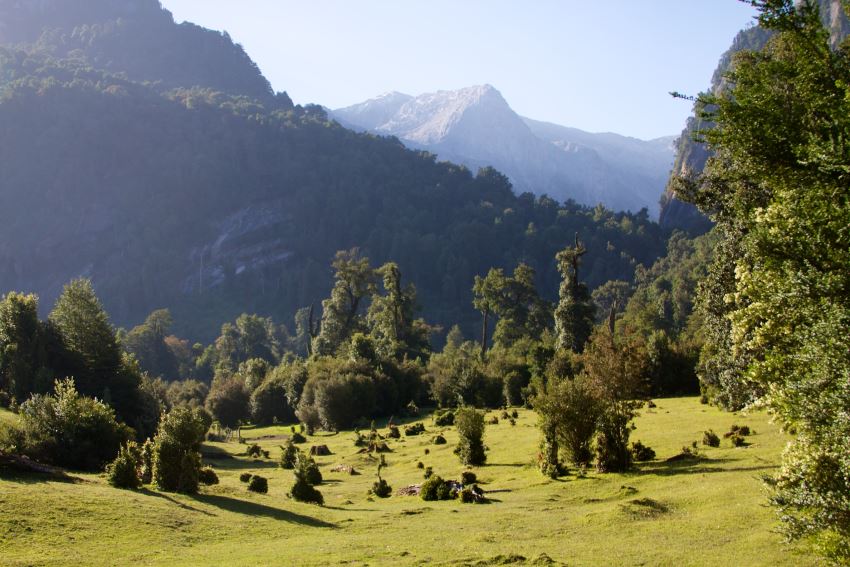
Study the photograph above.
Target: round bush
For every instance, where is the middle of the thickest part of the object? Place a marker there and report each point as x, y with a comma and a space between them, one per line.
467, 478
245, 477
710, 439
207, 476
381, 489
439, 440
258, 484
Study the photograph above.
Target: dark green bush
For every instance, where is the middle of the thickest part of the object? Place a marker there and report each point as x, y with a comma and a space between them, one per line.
444, 418
394, 433
468, 477
420, 465
439, 440
245, 477
415, 429
258, 484
505, 414
494, 420
641, 452
514, 414
229, 401
123, 472
288, 455
303, 489
253, 450
737, 440
381, 489
146, 464
470, 447
176, 457
429, 471
710, 439
70, 430
435, 488
207, 476
297, 438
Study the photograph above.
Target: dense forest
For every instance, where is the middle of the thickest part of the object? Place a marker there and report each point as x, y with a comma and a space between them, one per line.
265, 265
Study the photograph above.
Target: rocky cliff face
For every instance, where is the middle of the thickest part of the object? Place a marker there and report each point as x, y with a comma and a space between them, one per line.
476, 126
691, 156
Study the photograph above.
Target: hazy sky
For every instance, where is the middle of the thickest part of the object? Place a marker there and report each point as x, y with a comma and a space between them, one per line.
592, 64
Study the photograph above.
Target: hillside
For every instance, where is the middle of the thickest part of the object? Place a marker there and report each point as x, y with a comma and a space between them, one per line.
211, 202
476, 126
704, 512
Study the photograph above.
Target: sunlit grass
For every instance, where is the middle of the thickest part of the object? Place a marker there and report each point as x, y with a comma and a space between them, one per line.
709, 512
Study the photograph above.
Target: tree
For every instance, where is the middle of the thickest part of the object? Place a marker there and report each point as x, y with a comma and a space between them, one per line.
391, 318
341, 317
147, 343
777, 187
176, 446
575, 311
229, 402
470, 428
23, 348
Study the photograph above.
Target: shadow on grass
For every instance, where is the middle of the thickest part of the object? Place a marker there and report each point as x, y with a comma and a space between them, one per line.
255, 509
696, 466
31, 477
177, 503
235, 464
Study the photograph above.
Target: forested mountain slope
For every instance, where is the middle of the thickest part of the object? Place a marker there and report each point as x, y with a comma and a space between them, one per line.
216, 199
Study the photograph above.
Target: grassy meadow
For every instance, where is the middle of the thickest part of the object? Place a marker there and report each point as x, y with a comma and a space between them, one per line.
707, 512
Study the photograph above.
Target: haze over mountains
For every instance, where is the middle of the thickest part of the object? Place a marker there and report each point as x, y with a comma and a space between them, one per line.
476, 126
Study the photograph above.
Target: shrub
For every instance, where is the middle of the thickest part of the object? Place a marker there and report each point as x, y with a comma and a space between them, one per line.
493, 420
303, 489
420, 465
739, 430
467, 478
514, 414
297, 438
176, 460
641, 452
229, 401
381, 489
439, 440
308, 469
245, 477
253, 450
737, 440
468, 495
427, 450
512, 422
429, 471
710, 439
435, 488
470, 427
70, 430
505, 414
415, 429
269, 402
258, 484
288, 455
123, 472
207, 476
394, 432
444, 418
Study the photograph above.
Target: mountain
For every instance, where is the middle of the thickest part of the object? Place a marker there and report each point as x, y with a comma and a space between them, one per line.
193, 188
691, 155
476, 126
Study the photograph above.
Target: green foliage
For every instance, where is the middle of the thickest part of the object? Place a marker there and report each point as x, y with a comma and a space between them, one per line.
288, 455
575, 312
569, 413
70, 430
189, 393
23, 347
710, 439
245, 477
305, 473
470, 428
123, 472
641, 452
468, 478
147, 343
269, 402
380, 488
259, 484
229, 402
777, 189
435, 488
444, 418
207, 476
416, 429
391, 318
176, 457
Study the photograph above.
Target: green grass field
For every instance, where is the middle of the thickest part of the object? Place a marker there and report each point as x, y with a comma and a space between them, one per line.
710, 512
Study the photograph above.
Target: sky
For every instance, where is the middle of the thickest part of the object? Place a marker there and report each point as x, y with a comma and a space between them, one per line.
597, 65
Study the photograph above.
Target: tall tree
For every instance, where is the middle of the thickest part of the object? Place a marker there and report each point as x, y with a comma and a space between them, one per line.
778, 188
341, 313
391, 318
147, 343
23, 352
575, 310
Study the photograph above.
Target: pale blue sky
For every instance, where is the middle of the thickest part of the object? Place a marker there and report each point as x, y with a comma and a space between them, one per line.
598, 65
